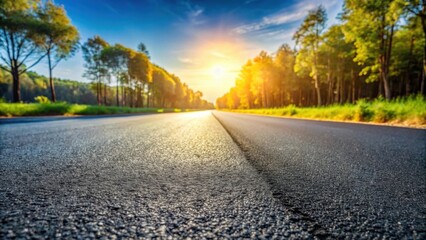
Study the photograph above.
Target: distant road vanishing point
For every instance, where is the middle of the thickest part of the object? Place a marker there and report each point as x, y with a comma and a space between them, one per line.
210, 174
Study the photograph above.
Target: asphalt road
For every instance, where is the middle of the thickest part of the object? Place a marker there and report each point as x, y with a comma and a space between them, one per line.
190, 175
356, 180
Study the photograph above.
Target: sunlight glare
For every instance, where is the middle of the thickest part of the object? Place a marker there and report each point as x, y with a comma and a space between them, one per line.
218, 71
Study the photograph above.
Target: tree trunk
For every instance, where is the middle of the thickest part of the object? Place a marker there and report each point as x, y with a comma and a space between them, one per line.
380, 88
98, 91
123, 95
423, 74
142, 92
407, 84
16, 84
385, 59
407, 74
330, 82
138, 96
264, 103
105, 94
117, 94
342, 86
422, 82
131, 100
148, 97
318, 90
336, 97
52, 87
353, 85
387, 87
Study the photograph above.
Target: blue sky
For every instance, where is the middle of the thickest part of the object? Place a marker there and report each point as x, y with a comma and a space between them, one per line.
203, 42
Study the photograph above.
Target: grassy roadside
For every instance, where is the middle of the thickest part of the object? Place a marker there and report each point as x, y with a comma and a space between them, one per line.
47, 109
408, 111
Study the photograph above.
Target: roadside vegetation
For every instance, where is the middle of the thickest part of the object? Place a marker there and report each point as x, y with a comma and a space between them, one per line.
58, 108
403, 111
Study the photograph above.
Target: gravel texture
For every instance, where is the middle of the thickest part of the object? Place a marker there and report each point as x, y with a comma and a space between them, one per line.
166, 176
347, 180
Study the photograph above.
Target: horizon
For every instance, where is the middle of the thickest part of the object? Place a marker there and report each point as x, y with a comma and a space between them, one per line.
205, 43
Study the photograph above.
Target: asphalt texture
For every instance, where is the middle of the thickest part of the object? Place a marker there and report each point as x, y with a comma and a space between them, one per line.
185, 175
166, 175
346, 180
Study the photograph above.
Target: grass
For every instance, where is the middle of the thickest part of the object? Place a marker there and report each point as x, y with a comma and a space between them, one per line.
47, 109
402, 111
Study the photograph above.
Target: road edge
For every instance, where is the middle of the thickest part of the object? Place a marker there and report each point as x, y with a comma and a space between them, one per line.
423, 127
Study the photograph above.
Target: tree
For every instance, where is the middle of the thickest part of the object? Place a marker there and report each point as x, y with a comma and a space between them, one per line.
163, 85
337, 54
142, 48
116, 59
408, 56
263, 76
140, 69
20, 32
309, 37
60, 40
370, 25
284, 62
92, 53
179, 91
416, 8
243, 85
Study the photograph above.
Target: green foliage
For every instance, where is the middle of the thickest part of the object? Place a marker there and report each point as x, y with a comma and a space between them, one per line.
370, 25
143, 49
140, 68
60, 37
405, 111
33, 85
43, 109
92, 55
163, 86
309, 37
363, 111
42, 99
31, 30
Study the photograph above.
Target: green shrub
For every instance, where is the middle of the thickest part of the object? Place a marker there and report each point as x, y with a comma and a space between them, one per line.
42, 99
363, 112
409, 111
62, 108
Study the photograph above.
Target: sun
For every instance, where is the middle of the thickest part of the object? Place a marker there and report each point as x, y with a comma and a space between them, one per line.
218, 71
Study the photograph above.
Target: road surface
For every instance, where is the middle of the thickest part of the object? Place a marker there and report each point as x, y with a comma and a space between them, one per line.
202, 175
349, 179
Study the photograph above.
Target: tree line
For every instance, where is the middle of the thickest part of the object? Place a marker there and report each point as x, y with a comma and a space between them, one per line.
138, 82
34, 85
377, 49
35, 30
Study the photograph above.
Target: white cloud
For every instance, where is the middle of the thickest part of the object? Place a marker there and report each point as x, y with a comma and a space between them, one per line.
218, 54
186, 60
293, 14
194, 12
283, 35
